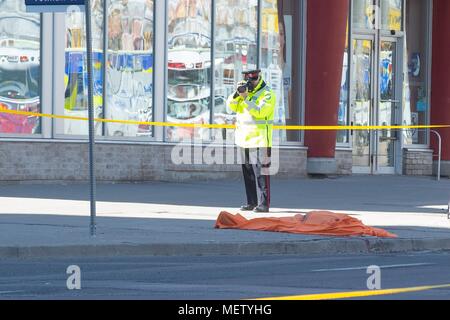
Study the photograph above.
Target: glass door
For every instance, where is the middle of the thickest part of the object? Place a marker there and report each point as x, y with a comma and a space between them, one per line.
374, 101
362, 102
388, 104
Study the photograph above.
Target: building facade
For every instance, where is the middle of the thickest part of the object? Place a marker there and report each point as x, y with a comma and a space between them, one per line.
329, 62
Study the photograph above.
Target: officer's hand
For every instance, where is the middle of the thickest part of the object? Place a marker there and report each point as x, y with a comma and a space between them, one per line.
245, 93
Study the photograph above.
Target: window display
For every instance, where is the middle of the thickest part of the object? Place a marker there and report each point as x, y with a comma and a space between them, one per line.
189, 68
129, 67
75, 78
20, 70
415, 93
236, 32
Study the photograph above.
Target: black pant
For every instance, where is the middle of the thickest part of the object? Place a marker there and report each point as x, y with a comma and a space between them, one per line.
256, 177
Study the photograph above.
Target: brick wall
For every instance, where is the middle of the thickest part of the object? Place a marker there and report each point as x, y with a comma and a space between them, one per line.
68, 161
344, 160
417, 162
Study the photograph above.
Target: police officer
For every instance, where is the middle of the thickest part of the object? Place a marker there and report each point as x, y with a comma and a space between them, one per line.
254, 104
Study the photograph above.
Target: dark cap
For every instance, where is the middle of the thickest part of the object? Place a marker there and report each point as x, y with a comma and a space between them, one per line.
251, 74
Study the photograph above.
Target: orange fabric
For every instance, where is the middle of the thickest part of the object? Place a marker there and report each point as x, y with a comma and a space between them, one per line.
316, 222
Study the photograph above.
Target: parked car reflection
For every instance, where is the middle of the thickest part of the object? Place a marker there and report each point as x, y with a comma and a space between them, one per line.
19, 85
189, 92
19, 68
14, 96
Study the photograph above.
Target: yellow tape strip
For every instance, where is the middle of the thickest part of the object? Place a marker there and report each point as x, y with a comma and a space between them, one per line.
160, 124
359, 294
218, 126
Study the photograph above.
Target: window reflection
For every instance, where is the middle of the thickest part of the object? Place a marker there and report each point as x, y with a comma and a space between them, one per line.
343, 111
391, 14
129, 67
20, 73
75, 77
281, 24
361, 99
189, 67
387, 105
236, 50
364, 14
416, 99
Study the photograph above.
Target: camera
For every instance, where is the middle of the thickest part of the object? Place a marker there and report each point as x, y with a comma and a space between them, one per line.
243, 88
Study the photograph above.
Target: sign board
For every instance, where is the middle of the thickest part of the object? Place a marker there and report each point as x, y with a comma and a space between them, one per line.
52, 5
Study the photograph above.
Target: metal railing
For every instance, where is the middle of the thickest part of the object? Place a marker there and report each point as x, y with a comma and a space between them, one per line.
448, 210
439, 167
438, 174
439, 156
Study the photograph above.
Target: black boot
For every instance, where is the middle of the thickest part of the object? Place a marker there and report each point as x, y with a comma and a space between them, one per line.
247, 207
261, 209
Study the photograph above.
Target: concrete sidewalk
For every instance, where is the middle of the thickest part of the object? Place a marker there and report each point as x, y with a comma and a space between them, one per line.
178, 219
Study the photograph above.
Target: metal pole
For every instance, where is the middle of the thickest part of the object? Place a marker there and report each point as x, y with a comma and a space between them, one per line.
104, 62
91, 115
258, 35
213, 68
448, 209
439, 154
439, 166
440, 158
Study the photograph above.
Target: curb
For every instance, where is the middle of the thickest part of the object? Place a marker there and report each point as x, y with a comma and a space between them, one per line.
309, 247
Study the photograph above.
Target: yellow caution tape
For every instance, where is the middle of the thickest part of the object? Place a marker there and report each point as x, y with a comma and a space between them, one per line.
219, 126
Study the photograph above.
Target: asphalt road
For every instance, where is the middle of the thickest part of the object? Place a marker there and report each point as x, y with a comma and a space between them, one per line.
205, 278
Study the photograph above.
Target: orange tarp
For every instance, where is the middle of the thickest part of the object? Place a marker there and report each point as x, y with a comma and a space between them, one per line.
316, 222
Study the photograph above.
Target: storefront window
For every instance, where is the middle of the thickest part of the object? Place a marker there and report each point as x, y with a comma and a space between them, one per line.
416, 106
281, 49
129, 67
75, 78
236, 39
364, 14
391, 14
343, 111
189, 68
20, 70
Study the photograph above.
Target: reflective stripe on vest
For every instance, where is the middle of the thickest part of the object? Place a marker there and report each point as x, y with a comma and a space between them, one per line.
251, 103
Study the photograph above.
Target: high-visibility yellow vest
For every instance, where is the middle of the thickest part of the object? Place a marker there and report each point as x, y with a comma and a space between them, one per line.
255, 114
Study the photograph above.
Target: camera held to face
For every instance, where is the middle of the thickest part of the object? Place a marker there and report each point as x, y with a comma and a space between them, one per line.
250, 81
243, 87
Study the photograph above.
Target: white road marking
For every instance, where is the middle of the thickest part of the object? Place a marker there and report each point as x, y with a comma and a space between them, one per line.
8, 292
382, 267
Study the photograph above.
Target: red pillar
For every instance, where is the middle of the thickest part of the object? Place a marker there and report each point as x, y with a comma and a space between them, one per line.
327, 24
440, 82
